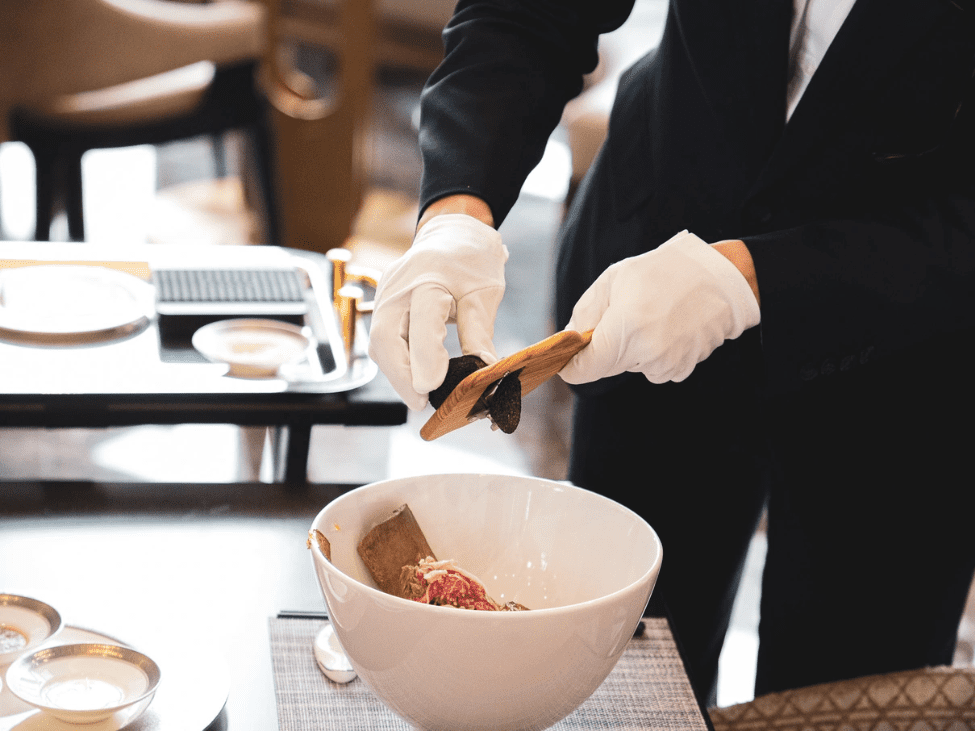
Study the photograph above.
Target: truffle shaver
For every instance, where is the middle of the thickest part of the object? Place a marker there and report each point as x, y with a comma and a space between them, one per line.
534, 365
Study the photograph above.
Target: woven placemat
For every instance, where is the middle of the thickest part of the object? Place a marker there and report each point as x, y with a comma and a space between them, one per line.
648, 688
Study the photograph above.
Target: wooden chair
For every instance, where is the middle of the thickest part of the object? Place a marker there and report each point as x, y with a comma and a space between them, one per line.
77, 75
406, 33
320, 143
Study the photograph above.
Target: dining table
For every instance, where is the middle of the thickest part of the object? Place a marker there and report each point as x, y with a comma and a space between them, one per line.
114, 335
215, 582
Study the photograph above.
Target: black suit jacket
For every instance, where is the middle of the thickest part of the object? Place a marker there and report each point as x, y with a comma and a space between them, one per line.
859, 213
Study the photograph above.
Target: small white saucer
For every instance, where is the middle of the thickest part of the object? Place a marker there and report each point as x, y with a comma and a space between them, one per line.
84, 683
253, 348
24, 624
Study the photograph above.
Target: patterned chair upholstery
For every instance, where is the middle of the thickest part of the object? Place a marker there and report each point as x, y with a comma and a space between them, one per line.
930, 699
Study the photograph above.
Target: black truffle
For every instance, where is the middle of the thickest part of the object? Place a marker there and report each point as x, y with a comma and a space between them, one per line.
504, 405
457, 370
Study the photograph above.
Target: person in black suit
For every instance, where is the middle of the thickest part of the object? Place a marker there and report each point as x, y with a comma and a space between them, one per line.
776, 248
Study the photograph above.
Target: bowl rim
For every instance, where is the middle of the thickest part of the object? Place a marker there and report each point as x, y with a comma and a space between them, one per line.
526, 615
51, 615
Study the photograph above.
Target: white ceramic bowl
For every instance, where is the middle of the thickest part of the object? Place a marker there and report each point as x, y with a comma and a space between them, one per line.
84, 683
583, 564
24, 624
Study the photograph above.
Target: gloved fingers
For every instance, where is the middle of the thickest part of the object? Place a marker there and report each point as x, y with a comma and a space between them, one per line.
452, 257
590, 313
389, 348
602, 358
661, 313
475, 323
593, 303
431, 308
666, 372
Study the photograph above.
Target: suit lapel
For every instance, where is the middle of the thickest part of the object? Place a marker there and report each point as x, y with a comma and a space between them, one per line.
867, 46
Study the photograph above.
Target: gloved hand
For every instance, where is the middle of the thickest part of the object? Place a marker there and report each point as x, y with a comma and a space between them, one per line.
453, 272
661, 313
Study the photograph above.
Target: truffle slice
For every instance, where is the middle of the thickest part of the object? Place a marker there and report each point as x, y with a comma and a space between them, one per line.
323, 545
394, 543
504, 404
457, 370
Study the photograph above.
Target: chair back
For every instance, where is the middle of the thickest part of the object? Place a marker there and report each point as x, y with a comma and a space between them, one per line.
56, 48
320, 144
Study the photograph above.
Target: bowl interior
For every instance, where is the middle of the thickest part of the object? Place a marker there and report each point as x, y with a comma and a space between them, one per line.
541, 543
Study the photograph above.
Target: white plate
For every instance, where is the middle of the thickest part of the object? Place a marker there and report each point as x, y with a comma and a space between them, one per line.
253, 348
84, 683
24, 624
65, 304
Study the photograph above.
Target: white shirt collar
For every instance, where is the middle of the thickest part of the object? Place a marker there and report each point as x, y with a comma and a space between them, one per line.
815, 24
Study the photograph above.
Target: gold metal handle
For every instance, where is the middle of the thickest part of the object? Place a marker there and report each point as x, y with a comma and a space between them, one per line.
347, 305
363, 275
339, 258
344, 273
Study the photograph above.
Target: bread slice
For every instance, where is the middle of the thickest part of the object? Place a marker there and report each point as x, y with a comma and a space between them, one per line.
395, 542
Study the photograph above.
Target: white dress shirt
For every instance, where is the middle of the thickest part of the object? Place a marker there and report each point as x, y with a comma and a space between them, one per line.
814, 26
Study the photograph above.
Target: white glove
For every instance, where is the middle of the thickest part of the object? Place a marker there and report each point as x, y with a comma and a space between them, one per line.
661, 313
453, 272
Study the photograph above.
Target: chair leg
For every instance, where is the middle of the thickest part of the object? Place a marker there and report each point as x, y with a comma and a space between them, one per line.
73, 196
45, 178
218, 142
258, 139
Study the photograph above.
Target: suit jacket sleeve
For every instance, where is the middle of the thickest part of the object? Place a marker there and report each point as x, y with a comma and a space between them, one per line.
508, 70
